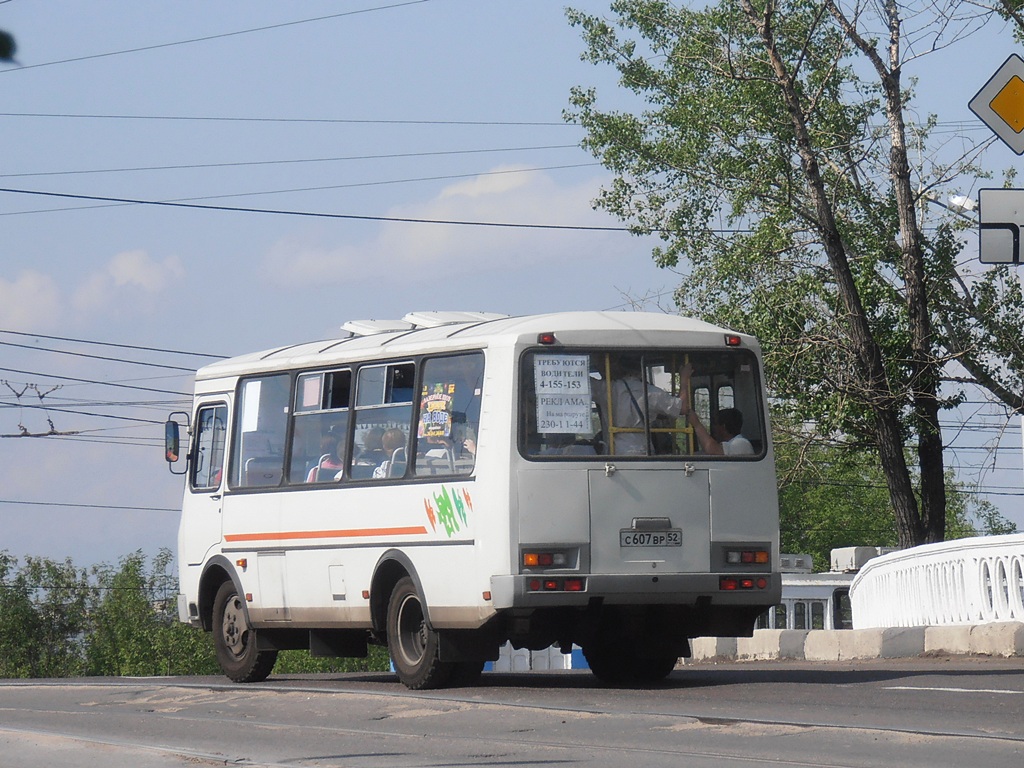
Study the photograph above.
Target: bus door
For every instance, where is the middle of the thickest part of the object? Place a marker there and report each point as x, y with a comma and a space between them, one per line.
202, 509
254, 531
649, 520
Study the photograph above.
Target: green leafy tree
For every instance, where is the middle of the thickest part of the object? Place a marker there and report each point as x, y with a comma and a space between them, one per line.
61, 597
301, 662
134, 629
770, 150
835, 496
19, 632
42, 617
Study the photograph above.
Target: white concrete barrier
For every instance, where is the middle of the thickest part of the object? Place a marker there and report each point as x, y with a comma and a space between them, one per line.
959, 582
996, 639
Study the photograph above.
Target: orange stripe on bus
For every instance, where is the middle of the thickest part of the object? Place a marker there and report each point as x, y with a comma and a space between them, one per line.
342, 534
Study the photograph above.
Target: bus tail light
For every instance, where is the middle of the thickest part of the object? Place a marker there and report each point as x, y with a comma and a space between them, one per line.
747, 556
536, 559
734, 583
557, 585
733, 340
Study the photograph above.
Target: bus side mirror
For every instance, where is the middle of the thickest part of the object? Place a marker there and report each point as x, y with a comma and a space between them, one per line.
172, 441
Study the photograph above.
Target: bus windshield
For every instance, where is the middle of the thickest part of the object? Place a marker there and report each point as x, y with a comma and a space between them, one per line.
653, 403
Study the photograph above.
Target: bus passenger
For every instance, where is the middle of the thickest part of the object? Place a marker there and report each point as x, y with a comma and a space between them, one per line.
393, 443
725, 438
373, 452
627, 394
331, 464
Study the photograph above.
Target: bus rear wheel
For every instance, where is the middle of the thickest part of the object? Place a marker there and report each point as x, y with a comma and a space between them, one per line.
619, 664
235, 641
651, 670
412, 643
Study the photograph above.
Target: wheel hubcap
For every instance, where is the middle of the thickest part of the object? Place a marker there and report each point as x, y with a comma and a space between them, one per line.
412, 630
234, 629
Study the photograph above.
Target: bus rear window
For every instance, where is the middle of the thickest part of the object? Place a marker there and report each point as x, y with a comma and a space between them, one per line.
656, 403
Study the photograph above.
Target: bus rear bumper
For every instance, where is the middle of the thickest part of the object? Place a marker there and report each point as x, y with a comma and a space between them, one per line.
549, 590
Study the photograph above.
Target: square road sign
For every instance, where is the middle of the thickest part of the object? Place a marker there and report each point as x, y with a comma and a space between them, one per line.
1001, 216
1000, 103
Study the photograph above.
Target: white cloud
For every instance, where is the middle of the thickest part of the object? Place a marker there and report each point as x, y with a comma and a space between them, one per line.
131, 277
30, 302
136, 268
405, 251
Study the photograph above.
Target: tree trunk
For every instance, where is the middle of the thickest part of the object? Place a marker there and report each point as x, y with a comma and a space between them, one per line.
876, 389
925, 371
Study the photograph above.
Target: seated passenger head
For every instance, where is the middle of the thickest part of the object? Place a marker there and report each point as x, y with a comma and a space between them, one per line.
393, 439
731, 420
373, 439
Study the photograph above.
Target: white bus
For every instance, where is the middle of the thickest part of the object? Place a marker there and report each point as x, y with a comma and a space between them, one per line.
452, 481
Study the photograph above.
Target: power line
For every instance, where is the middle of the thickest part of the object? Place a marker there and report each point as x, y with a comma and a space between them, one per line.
86, 506
141, 442
312, 120
111, 344
96, 357
354, 185
319, 215
218, 36
53, 409
255, 163
94, 381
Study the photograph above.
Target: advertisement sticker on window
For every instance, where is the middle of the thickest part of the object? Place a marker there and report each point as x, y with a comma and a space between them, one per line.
562, 388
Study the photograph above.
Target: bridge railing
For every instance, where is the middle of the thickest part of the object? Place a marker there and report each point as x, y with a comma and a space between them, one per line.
965, 581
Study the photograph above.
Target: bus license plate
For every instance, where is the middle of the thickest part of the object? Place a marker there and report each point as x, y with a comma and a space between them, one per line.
673, 537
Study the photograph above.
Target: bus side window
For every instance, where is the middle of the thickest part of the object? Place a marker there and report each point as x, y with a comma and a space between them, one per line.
320, 431
208, 459
449, 415
383, 418
257, 450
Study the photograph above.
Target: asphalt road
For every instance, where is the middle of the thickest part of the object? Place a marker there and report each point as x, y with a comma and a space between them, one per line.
922, 712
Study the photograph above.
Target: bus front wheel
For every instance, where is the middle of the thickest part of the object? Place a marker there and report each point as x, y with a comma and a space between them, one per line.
235, 641
412, 643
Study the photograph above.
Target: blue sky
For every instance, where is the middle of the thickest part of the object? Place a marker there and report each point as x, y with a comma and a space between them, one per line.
437, 110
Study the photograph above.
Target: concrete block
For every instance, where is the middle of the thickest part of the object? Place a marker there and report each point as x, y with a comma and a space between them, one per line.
902, 642
707, 648
769, 644
823, 645
792, 644
1004, 638
763, 645
950, 640
888, 643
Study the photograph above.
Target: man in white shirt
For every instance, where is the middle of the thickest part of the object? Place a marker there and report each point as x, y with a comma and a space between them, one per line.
725, 438
629, 398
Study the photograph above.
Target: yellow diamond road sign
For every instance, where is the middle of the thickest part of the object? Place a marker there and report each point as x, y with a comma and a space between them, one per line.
1000, 103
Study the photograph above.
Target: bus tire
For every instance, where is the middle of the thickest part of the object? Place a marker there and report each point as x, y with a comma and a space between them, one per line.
235, 641
466, 673
651, 670
607, 662
412, 643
